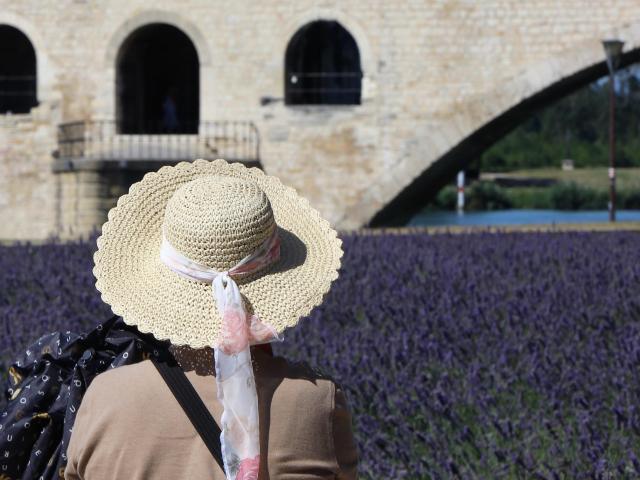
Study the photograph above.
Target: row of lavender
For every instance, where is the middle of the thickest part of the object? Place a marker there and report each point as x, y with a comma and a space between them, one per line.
477, 355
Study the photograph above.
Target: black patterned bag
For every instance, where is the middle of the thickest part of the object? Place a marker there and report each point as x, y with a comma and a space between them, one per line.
45, 387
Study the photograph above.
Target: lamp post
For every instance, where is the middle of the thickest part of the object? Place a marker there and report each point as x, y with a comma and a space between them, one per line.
613, 50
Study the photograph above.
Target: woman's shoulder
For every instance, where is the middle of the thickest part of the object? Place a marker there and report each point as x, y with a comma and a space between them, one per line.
294, 382
125, 374
292, 371
275, 376
309, 418
119, 385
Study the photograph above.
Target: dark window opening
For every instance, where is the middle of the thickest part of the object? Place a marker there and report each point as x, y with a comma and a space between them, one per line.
158, 82
17, 71
322, 66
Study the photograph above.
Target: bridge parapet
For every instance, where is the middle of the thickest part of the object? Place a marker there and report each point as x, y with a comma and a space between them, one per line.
98, 145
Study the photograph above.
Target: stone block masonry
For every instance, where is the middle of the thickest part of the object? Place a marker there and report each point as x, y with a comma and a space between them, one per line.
434, 72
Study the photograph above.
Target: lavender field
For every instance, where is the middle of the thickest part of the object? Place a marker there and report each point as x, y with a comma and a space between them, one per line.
509, 355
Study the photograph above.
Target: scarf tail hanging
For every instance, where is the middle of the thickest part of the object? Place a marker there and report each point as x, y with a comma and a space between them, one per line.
240, 437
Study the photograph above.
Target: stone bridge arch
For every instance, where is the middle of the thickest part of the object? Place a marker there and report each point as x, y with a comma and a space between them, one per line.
441, 148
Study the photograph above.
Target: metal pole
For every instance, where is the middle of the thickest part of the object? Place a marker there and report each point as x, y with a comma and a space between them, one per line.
612, 148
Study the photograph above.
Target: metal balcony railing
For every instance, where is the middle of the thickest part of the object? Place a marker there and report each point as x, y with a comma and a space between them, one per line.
98, 143
328, 88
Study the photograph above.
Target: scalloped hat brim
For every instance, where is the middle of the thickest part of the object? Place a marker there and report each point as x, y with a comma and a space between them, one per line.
146, 293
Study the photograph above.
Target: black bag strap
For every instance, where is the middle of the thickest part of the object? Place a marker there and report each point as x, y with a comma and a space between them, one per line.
192, 405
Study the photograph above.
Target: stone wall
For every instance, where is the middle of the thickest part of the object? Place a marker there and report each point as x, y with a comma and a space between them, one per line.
434, 72
28, 193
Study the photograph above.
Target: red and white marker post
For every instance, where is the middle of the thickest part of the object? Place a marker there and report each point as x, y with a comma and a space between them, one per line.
460, 183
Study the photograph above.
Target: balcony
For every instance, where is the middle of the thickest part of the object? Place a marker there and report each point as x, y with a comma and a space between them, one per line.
98, 145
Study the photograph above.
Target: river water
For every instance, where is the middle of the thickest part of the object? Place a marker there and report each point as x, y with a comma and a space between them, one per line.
519, 217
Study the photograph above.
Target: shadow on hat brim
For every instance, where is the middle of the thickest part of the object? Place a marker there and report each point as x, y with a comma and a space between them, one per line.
146, 293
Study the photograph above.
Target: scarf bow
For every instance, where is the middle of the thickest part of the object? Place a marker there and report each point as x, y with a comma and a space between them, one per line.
240, 438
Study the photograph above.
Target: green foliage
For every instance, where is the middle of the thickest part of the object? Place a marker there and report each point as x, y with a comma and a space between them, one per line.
571, 196
487, 196
530, 197
575, 127
447, 198
479, 196
629, 200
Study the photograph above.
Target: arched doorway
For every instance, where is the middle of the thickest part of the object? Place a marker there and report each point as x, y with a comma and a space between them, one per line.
17, 71
158, 84
322, 66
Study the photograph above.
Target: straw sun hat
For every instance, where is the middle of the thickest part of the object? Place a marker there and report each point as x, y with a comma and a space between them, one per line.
216, 214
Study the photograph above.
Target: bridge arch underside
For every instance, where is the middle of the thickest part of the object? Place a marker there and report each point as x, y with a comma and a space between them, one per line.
441, 172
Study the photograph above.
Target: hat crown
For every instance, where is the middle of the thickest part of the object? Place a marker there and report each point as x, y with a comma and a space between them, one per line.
217, 221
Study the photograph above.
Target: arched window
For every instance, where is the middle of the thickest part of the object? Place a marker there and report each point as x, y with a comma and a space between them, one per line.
17, 71
322, 66
158, 81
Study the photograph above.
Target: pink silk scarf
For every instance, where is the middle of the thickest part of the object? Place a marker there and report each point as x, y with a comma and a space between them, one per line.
234, 374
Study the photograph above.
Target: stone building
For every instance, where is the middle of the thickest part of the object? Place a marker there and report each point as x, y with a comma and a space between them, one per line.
364, 106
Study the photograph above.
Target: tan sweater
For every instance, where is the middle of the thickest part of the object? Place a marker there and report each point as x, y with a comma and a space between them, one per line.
129, 426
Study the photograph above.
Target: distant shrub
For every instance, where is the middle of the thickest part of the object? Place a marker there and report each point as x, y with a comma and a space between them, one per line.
571, 196
487, 196
447, 198
629, 200
529, 197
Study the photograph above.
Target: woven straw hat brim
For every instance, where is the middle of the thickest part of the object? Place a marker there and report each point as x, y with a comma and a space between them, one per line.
139, 287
